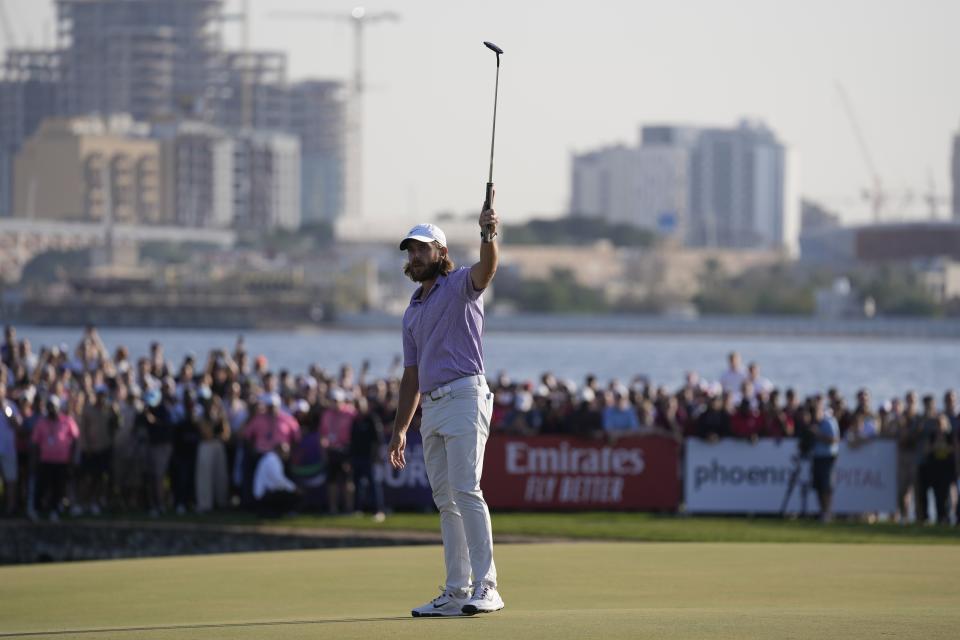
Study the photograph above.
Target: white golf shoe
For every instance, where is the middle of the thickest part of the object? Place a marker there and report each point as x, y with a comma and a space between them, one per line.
447, 603
485, 600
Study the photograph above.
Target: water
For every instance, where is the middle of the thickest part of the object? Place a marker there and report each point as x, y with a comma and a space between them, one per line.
886, 366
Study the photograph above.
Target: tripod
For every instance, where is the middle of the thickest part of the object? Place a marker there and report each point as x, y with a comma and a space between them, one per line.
798, 462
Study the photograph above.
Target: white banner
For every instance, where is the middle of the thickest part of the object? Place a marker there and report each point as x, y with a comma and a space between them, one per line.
735, 476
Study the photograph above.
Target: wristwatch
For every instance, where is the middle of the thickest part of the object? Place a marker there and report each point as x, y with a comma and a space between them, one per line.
488, 239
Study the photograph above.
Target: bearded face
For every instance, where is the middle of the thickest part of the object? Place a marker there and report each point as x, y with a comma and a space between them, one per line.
420, 272
424, 261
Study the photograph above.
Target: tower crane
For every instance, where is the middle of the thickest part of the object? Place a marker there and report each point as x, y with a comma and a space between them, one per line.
359, 18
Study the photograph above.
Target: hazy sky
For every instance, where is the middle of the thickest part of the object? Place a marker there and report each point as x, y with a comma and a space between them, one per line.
578, 75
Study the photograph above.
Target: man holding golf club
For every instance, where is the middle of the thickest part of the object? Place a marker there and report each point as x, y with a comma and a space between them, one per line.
443, 369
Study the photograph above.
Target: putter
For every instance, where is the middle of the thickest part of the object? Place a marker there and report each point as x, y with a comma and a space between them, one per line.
488, 232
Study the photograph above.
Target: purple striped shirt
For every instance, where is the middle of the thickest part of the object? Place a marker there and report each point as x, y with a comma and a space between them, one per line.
441, 333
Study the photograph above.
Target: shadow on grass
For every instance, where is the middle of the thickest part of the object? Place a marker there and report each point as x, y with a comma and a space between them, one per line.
223, 625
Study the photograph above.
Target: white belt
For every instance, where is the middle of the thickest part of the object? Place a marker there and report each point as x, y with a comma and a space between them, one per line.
459, 383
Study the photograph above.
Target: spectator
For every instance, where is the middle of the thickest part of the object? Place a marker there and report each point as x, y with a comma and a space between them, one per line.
8, 350
335, 428
585, 420
620, 418
157, 419
758, 384
745, 423
10, 421
186, 438
940, 466
929, 428
268, 427
733, 378
775, 422
212, 481
131, 451
825, 451
714, 423
98, 424
952, 411
908, 443
669, 420
366, 447
55, 439
275, 494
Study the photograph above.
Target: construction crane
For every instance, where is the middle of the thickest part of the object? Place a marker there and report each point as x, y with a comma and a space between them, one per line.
358, 18
876, 195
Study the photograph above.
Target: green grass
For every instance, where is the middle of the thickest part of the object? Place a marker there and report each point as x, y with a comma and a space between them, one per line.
631, 527
558, 591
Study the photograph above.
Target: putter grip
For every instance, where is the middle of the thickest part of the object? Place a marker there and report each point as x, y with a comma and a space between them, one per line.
487, 203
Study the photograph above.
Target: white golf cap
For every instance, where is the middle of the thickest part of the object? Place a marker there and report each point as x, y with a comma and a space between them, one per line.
425, 233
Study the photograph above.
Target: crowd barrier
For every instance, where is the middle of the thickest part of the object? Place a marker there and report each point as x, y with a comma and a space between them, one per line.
734, 476
643, 474
636, 473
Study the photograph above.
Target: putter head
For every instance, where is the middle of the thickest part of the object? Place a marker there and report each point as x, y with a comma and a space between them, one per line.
489, 45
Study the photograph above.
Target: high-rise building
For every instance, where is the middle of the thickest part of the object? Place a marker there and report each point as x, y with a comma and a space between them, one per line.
197, 170
266, 187
645, 187
317, 118
955, 173
253, 91
162, 62
88, 170
705, 187
153, 59
742, 190
29, 93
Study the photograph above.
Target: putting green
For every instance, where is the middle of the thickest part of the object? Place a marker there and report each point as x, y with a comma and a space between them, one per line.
556, 591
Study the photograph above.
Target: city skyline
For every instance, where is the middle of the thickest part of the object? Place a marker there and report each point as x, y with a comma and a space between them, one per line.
575, 79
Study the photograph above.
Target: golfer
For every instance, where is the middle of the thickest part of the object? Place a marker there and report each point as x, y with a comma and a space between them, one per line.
443, 367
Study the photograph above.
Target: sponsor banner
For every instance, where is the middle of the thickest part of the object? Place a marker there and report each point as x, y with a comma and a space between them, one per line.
554, 472
407, 488
734, 476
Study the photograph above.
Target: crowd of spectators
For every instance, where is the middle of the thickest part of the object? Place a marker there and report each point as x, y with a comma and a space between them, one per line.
83, 430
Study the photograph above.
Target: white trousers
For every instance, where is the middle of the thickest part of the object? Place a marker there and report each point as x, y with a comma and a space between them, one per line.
211, 475
455, 429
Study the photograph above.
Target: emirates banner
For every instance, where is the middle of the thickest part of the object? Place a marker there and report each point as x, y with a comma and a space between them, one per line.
733, 476
555, 472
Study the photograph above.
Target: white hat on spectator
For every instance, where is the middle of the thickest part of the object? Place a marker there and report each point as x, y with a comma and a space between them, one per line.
301, 406
338, 395
586, 395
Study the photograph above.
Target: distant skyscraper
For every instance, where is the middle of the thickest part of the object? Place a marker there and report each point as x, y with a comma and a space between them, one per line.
162, 62
645, 187
253, 91
742, 190
317, 112
197, 169
707, 187
150, 58
266, 188
956, 176
29, 93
